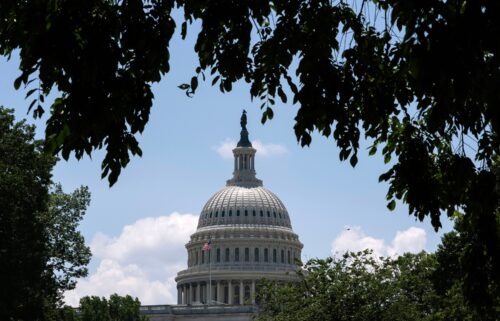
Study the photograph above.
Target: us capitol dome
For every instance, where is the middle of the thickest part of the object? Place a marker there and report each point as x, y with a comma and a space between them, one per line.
244, 234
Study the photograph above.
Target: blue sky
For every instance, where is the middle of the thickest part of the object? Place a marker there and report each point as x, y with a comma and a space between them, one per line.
331, 204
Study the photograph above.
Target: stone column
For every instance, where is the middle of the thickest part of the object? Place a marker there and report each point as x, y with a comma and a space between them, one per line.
179, 295
230, 292
242, 293
252, 292
198, 298
184, 294
219, 292
189, 293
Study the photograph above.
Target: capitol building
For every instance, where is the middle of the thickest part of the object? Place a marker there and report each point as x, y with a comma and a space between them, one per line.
244, 234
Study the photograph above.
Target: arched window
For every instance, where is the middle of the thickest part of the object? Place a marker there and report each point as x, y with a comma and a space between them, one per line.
216, 213
237, 254
253, 212
223, 212
268, 214
256, 254
238, 213
210, 214
230, 212
236, 295
247, 254
246, 212
274, 255
282, 256
227, 254
218, 255
261, 213
266, 255
279, 215
246, 297
274, 214
202, 257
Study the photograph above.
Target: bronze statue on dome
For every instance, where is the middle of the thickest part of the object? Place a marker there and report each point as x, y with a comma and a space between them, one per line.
243, 120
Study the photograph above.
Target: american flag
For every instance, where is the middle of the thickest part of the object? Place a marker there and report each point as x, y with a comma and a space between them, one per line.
206, 246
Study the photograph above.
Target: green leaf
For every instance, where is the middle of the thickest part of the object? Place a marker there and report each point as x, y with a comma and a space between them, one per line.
282, 95
194, 84
353, 160
18, 81
391, 205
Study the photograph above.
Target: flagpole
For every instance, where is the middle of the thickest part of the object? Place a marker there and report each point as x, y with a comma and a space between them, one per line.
209, 275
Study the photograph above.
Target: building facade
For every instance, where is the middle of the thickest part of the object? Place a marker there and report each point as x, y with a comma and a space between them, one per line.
244, 234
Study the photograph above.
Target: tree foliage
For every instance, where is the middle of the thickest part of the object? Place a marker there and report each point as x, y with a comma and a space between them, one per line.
418, 79
360, 287
41, 252
93, 308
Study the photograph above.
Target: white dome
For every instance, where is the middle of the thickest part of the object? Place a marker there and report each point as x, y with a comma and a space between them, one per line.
244, 205
244, 234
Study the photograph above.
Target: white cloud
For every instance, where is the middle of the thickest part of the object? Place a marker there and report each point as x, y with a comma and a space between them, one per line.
411, 240
142, 261
354, 239
225, 148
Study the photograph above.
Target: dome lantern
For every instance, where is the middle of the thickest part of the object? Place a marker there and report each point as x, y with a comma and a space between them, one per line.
244, 160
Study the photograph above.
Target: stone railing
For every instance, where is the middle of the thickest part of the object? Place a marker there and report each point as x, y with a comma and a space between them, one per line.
228, 267
191, 309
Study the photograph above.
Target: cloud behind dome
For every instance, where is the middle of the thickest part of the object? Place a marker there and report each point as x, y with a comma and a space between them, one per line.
142, 261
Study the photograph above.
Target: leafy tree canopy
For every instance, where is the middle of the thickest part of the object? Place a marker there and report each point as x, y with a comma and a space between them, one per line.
360, 287
93, 308
41, 252
418, 79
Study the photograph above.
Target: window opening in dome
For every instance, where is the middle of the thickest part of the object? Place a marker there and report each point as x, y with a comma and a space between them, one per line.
202, 257
247, 254
230, 213
282, 256
210, 214
266, 255
256, 255
274, 214
279, 215
238, 213
253, 212
246, 212
227, 254
218, 255
274, 255
196, 258
217, 214
236, 297
261, 213
237, 254
247, 294
268, 214
223, 212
